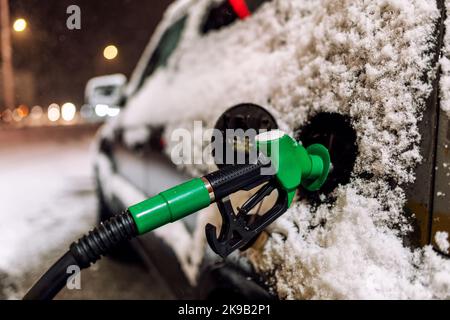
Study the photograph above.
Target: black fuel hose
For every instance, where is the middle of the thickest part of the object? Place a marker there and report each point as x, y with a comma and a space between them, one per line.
82, 253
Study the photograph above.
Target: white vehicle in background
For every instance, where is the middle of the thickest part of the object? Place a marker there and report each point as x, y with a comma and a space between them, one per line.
356, 76
103, 95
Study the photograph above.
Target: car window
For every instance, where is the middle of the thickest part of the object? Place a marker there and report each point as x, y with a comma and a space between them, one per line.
228, 11
166, 46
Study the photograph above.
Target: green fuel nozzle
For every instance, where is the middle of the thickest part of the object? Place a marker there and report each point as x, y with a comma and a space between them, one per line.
283, 165
293, 164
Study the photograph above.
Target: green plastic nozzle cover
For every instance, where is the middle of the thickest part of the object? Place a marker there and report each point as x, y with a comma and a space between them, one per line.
294, 164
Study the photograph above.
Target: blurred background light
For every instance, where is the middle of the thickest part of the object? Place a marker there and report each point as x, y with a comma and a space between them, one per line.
20, 25
86, 111
23, 111
112, 112
7, 116
101, 110
36, 113
53, 112
110, 52
17, 117
68, 111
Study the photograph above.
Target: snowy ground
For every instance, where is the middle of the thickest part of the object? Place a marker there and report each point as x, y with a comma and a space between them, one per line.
47, 200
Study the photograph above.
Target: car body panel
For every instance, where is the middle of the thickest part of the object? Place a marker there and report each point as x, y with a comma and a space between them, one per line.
420, 194
440, 218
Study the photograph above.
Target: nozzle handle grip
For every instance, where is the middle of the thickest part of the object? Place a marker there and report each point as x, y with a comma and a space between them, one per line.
237, 177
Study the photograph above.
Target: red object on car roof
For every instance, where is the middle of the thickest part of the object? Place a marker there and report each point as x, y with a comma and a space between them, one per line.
240, 8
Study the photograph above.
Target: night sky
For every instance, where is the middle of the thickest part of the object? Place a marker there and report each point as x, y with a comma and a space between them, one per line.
62, 60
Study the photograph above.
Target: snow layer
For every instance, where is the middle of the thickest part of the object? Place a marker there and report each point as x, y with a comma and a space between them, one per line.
47, 201
441, 239
366, 59
350, 257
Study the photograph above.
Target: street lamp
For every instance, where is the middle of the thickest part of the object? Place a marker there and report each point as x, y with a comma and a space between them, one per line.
6, 55
110, 52
20, 25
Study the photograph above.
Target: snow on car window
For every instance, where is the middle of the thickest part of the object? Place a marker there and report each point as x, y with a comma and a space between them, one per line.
167, 45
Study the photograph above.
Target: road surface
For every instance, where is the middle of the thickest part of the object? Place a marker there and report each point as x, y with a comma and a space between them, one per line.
47, 200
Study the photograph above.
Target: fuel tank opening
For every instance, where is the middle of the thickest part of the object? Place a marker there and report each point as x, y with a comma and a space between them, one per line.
240, 119
336, 133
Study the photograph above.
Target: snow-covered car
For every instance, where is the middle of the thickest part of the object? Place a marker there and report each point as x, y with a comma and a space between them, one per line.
360, 77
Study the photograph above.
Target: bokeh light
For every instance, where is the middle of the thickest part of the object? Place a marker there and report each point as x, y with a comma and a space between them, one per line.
53, 112
110, 52
7, 115
16, 115
86, 111
23, 111
36, 113
101, 110
112, 112
20, 25
68, 111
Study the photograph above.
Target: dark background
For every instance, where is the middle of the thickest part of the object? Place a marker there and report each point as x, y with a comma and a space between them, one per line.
60, 61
